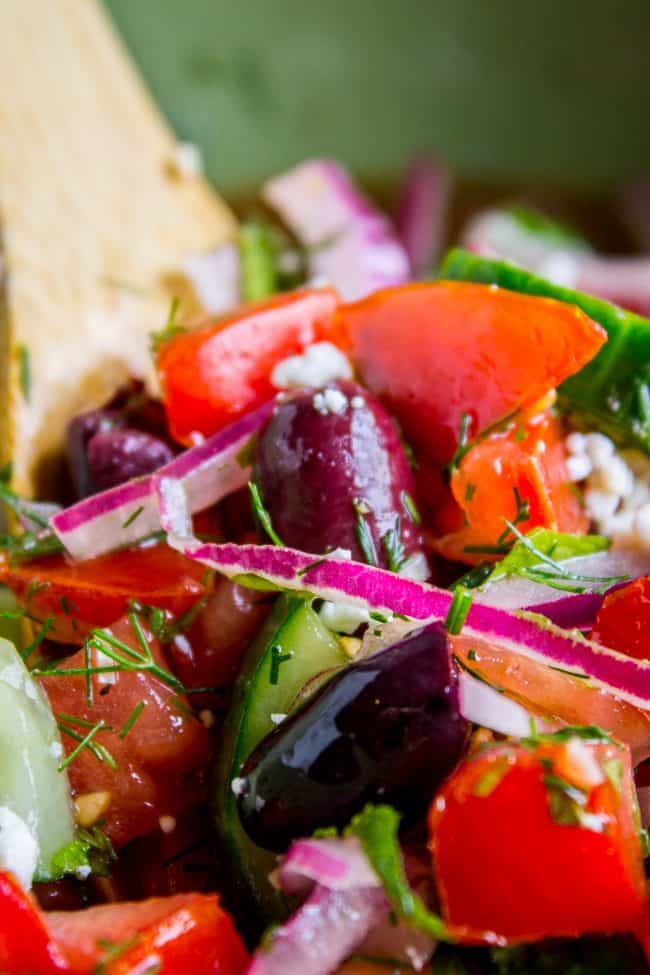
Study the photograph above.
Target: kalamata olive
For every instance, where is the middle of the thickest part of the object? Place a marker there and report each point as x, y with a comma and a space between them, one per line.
114, 456
80, 431
385, 729
333, 474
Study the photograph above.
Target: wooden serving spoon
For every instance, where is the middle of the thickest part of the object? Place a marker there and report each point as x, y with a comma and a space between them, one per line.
96, 219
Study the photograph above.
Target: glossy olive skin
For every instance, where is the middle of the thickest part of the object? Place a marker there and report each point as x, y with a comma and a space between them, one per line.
103, 451
115, 456
81, 429
320, 472
385, 729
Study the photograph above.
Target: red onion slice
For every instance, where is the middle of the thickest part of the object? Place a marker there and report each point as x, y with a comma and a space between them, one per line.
322, 933
423, 202
351, 244
346, 911
520, 632
339, 864
129, 512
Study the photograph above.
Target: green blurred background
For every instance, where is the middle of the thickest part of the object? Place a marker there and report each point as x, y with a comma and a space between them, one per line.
552, 90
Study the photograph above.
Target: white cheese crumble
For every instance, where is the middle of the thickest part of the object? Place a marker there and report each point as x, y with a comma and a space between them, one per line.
330, 401
277, 717
19, 850
320, 364
238, 786
83, 872
343, 617
616, 486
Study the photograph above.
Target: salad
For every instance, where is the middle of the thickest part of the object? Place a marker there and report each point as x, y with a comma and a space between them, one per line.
331, 654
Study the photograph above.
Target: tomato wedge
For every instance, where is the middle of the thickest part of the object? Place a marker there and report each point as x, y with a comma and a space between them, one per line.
434, 352
519, 475
212, 375
623, 621
96, 592
554, 693
170, 935
540, 841
25, 942
157, 766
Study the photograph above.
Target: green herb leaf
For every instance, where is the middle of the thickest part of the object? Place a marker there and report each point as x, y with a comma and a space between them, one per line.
411, 508
376, 828
487, 783
132, 718
261, 515
258, 253
458, 611
277, 659
394, 547
169, 330
363, 533
464, 445
91, 848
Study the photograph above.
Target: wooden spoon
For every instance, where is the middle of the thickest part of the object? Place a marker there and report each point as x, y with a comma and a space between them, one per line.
96, 220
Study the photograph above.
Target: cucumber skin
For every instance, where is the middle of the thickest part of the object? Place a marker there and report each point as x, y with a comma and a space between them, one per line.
609, 390
255, 898
30, 784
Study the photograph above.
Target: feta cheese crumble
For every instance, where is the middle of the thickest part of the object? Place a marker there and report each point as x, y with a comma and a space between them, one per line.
343, 617
19, 850
330, 401
320, 364
616, 486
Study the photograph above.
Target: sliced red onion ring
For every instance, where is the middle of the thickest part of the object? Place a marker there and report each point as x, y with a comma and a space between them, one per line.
339, 864
322, 933
575, 610
216, 278
423, 202
131, 511
346, 911
520, 632
622, 280
351, 244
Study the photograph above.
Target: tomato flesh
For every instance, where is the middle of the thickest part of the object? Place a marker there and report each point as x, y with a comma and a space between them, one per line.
524, 465
623, 621
510, 862
25, 942
212, 375
174, 935
96, 592
162, 759
434, 352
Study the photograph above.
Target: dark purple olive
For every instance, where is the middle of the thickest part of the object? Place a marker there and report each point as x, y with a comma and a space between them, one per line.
80, 431
385, 729
333, 474
115, 456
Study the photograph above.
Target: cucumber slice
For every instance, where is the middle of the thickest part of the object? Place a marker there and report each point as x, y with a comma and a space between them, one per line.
291, 649
30, 753
613, 390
